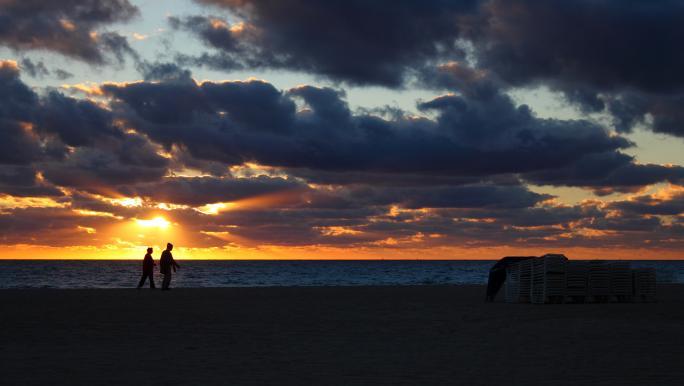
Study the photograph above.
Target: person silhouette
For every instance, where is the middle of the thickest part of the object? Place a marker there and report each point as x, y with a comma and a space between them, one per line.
166, 264
148, 269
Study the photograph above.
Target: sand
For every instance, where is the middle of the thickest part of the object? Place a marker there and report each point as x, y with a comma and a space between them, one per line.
333, 336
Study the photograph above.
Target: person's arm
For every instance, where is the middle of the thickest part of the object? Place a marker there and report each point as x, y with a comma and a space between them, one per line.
175, 265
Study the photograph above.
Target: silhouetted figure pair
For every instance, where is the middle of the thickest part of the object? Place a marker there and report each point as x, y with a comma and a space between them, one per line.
148, 269
166, 264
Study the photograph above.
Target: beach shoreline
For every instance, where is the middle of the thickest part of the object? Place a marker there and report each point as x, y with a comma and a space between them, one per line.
410, 335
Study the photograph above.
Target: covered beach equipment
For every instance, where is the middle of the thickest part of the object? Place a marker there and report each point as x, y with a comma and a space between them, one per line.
553, 278
497, 274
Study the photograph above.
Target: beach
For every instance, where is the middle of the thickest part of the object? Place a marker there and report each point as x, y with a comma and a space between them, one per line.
410, 335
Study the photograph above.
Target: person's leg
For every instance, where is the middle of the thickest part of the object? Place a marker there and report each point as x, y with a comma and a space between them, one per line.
166, 281
152, 280
142, 280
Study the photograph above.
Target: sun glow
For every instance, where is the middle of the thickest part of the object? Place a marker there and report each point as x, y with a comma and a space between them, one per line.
216, 208
157, 222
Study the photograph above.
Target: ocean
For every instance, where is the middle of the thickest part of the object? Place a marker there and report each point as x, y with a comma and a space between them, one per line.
242, 273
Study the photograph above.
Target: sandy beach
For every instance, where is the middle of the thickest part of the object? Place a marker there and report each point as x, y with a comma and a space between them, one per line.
333, 336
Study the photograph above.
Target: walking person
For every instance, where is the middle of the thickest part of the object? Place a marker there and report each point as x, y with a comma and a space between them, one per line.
148, 269
166, 264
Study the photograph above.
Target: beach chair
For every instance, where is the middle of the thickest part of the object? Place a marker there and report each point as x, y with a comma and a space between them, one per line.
576, 276
548, 279
644, 284
512, 285
621, 281
525, 281
517, 286
599, 281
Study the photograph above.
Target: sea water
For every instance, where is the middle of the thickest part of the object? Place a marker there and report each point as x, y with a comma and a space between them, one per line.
242, 273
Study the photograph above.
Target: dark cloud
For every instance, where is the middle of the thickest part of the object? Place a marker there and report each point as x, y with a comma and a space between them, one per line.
54, 227
39, 70
129, 160
468, 196
23, 181
163, 71
670, 205
18, 99
628, 224
75, 142
661, 113
18, 143
536, 216
379, 226
620, 45
77, 122
625, 57
37, 128
197, 191
63, 74
35, 70
607, 173
69, 27
475, 134
385, 179
359, 42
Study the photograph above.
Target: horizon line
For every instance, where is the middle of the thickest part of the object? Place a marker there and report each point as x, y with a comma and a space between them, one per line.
324, 259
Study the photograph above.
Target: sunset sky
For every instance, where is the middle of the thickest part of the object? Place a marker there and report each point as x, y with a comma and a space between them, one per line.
290, 129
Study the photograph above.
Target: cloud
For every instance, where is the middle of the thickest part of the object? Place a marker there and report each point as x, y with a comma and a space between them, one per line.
621, 45
163, 71
100, 169
55, 227
39, 70
69, 27
18, 144
467, 196
24, 181
475, 134
303, 168
671, 204
73, 142
77, 122
357, 42
63, 74
606, 173
624, 59
35, 70
198, 191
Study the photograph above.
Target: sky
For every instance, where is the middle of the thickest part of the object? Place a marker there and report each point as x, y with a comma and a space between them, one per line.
301, 129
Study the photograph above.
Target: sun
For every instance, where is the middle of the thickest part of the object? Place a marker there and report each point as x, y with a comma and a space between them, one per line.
157, 222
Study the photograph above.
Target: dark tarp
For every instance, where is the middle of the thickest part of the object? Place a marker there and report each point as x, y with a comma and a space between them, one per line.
497, 274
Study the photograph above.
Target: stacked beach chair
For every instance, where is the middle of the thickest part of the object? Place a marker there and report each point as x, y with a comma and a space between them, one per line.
555, 279
525, 281
548, 279
599, 281
512, 284
645, 284
517, 287
576, 276
621, 281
